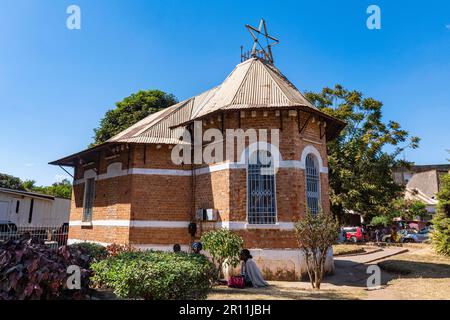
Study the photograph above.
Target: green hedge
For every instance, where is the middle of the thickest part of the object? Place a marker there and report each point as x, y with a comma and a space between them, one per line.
155, 275
96, 252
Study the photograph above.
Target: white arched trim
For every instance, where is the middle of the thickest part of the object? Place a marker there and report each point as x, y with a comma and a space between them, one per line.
90, 174
311, 149
114, 169
262, 145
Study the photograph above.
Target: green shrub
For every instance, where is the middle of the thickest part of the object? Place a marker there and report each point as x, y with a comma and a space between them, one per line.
96, 252
224, 247
155, 275
440, 236
381, 221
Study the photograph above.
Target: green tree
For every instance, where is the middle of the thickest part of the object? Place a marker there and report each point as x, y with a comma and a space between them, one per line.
61, 189
129, 111
381, 221
29, 185
224, 247
417, 209
440, 237
361, 159
10, 182
408, 209
316, 233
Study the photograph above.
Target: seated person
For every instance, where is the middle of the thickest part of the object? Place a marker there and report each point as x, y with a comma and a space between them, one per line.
250, 271
176, 248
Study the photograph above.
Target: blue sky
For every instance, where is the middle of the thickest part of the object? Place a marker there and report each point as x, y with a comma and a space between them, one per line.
56, 84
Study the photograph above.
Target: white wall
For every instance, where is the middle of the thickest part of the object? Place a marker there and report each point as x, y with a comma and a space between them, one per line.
46, 212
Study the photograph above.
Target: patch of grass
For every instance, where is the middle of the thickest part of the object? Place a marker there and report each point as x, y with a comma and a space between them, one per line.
422, 274
344, 249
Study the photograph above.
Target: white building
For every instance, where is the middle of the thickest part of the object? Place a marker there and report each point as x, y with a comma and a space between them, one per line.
28, 209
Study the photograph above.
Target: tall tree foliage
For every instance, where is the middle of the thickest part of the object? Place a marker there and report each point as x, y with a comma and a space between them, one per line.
440, 236
10, 182
129, 111
361, 159
62, 189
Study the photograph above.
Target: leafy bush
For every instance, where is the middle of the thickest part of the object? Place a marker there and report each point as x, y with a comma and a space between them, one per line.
155, 275
381, 221
223, 246
408, 209
316, 233
116, 249
96, 252
440, 236
30, 270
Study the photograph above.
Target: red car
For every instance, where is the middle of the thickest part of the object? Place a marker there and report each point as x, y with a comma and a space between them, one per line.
354, 234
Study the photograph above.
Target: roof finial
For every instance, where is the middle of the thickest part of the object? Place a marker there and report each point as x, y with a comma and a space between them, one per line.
258, 50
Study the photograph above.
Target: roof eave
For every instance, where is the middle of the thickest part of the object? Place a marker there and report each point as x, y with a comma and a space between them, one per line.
339, 124
68, 160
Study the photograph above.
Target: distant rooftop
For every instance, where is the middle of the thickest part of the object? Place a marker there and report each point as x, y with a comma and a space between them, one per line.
428, 167
27, 193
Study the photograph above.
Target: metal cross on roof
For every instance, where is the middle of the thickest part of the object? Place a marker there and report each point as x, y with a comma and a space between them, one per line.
258, 49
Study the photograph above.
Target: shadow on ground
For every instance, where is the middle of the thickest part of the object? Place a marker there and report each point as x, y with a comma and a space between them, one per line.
275, 292
416, 269
349, 273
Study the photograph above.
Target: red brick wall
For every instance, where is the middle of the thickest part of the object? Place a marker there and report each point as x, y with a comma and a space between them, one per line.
158, 197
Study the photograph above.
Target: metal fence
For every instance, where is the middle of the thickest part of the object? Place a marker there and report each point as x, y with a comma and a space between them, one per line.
53, 236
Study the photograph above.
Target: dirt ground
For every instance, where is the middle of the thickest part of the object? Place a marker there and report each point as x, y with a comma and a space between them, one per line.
416, 274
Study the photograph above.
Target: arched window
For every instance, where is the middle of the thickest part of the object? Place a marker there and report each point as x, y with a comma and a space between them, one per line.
260, 189
312, 183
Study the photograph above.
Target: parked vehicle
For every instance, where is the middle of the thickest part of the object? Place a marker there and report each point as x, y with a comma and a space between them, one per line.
419, 237
354, 234
8, 230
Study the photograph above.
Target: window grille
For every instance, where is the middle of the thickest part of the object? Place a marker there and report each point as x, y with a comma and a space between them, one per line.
261, 191
89, 196
312, 184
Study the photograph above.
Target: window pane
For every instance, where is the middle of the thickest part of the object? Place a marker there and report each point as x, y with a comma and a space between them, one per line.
89, 195
312, 184
261, 191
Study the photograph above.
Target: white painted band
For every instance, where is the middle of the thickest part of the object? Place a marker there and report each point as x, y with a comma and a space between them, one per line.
231, 225
159, 247
285, 164
133, 223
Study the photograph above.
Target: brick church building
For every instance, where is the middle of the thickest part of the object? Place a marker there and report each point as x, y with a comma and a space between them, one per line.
129, 191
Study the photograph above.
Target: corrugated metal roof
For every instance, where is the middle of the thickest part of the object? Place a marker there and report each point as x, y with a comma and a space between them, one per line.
416, 194
27, 193
252, 84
